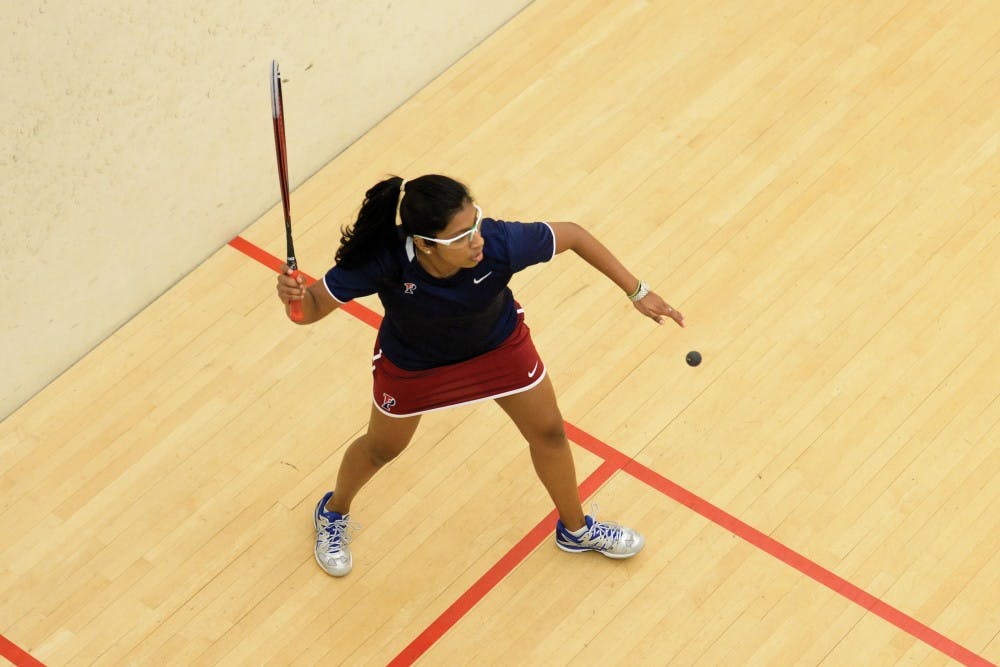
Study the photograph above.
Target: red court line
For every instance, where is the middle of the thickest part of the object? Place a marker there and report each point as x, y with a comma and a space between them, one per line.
807, 567
617, 460
543, 530
774, 548
16, 655
366, 315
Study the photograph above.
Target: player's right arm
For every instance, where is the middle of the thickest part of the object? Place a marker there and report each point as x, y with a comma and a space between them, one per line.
316, 300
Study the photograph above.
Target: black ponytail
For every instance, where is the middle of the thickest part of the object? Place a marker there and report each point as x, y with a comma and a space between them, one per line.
375, 227
429, 203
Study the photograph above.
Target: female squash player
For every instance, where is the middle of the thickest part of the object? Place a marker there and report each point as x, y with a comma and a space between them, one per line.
453, 334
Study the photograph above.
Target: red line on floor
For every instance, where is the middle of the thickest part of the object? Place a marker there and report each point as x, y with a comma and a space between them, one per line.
16, 655
614, 460
807, 567
256, 252
776, 549
543, 530
366, 315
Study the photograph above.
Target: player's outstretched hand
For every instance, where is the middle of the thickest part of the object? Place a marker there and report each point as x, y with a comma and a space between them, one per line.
289, 288
658, 310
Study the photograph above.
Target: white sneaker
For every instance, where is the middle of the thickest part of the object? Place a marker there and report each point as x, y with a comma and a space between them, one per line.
604, 537
333, 534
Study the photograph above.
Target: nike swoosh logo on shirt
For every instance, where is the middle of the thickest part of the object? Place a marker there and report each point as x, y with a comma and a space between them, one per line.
532, 373
479, 280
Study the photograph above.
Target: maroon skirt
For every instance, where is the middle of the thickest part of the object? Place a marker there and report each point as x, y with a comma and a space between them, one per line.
509, 369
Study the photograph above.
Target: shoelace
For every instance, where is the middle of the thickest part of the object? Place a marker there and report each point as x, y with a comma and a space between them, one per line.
605, 534
334, 534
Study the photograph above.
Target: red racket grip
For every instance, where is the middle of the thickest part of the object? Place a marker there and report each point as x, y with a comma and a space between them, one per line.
295, 307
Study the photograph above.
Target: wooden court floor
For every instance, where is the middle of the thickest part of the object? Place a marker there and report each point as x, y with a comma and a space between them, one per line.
815, 185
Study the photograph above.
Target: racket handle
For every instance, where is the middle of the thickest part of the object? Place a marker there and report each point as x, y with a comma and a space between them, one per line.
295, 307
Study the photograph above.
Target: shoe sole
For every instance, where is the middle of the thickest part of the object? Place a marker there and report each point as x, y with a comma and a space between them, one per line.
606, 554
332, 574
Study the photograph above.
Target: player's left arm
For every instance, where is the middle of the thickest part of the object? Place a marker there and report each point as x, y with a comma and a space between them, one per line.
571, 236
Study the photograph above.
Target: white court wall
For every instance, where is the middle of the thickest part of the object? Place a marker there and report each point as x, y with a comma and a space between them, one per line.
136, 140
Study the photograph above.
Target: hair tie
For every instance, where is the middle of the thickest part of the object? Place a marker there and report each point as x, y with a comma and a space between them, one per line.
399, 204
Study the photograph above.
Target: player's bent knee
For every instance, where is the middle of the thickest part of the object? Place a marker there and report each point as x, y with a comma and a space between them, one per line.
551, 435
380, 453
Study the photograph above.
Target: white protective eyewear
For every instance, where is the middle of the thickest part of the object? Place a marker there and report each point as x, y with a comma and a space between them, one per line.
470, 234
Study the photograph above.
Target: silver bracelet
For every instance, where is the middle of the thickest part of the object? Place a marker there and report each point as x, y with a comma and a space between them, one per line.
640, 293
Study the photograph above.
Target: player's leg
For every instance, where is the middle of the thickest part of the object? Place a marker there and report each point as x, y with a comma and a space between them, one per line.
385, 438
537, 416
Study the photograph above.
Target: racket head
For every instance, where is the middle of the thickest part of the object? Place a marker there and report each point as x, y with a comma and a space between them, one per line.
276, 106
278, 118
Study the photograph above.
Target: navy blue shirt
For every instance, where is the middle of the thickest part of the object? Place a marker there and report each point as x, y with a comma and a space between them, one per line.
432, 321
